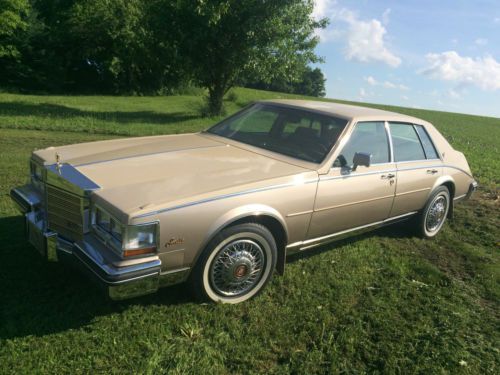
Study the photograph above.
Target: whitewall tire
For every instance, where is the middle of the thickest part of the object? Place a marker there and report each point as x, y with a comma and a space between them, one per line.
236, 265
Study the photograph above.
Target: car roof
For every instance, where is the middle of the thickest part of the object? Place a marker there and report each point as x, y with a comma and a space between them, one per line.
352, 112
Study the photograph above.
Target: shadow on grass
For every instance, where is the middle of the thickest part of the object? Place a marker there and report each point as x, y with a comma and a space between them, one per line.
19, 108
397, 230
40, 298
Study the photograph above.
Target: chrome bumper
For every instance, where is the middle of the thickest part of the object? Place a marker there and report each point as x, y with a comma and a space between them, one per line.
118, 282
472, 188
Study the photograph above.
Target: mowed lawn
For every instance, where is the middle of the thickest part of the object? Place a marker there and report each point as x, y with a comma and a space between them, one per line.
383, 302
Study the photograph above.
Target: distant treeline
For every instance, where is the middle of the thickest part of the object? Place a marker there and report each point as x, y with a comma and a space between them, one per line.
159, 46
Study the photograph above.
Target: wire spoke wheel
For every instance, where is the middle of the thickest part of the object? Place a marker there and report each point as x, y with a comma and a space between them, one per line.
436, 213
237, 268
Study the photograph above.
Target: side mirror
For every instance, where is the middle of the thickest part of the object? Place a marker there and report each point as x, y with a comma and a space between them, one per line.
361, 158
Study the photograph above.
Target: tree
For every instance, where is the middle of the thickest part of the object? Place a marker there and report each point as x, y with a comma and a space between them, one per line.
13, 15
116, 41
223, 39
311, 83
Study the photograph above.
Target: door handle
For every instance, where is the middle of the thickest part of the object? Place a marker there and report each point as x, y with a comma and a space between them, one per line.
387, 176
432, 171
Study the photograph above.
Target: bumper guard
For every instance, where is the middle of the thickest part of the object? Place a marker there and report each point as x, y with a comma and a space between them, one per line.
118, 282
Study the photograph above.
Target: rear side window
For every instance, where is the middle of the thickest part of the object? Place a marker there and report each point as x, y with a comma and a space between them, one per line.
406, 143
429, 149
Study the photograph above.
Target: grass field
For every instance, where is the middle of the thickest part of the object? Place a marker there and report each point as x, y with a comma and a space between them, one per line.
384, 302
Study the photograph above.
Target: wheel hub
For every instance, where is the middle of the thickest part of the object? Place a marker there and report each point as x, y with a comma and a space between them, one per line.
240, 271
237, 268
436, 214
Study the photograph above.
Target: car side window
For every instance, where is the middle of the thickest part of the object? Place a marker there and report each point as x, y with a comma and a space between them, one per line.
369, 137
429, 149
405, 141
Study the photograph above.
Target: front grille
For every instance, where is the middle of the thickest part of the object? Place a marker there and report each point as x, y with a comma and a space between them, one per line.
65, 213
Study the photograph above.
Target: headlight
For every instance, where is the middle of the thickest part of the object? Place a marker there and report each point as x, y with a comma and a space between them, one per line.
140, 239
36, 174
130, 240
102, 219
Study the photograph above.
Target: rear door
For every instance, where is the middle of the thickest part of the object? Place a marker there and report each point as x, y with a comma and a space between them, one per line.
418, 166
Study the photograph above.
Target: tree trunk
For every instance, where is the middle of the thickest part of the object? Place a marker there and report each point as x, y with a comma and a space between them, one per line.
215, 99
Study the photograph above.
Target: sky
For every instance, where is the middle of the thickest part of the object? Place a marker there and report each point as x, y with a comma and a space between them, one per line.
441, 54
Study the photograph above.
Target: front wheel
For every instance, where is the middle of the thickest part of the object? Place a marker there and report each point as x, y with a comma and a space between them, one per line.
236, 265
434, 214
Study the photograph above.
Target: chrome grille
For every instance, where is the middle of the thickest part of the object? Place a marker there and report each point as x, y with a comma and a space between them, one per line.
65, 212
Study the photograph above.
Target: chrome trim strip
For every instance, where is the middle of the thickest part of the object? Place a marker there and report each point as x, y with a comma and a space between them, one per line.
28, 195
353, 203
412, 191
336, 234
184, 269
356, 174
224, 196
207, 200
141, 155
111, 270
458, 169
400, 216
417, 161
106, 282
460, 197
389, 136
67, 177
300, 213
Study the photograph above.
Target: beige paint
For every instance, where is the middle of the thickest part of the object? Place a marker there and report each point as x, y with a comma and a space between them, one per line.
195, 184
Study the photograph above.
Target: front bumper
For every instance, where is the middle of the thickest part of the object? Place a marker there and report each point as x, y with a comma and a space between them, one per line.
119, 282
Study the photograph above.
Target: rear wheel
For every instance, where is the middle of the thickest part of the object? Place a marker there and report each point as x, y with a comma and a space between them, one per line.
434, 214
236, 265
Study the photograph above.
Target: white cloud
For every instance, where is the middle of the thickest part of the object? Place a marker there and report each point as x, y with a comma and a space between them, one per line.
364, 94
483, 72
481, 41
496, 20
322, 8
365, 39
371, 81
366, 42
387, 84
404, 97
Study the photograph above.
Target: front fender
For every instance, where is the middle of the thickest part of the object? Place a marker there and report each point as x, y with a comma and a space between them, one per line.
242, 212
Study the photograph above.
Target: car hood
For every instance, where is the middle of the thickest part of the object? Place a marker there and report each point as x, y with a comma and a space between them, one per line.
138, 175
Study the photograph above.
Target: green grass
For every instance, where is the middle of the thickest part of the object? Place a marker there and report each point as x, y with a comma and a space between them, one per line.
384, 302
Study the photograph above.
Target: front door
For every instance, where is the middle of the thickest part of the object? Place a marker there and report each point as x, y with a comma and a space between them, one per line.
348, 198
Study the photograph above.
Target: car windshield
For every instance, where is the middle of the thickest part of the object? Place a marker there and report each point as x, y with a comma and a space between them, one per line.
289, 131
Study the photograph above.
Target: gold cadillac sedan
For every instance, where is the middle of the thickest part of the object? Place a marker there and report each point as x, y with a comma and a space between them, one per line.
223, 208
